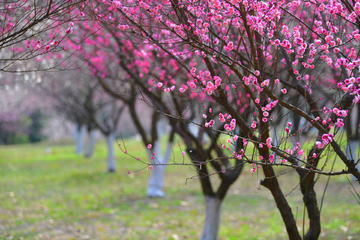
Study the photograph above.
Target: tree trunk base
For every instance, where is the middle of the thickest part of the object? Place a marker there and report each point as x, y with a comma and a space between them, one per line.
155, 193
212, 218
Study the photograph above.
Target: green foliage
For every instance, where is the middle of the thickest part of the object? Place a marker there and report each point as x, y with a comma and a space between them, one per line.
60, 195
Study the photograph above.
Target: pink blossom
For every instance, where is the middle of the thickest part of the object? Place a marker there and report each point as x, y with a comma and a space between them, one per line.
339, 123
301, 152
235, 137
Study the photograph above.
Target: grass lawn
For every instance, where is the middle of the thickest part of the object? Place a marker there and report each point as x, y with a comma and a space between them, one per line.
61, 195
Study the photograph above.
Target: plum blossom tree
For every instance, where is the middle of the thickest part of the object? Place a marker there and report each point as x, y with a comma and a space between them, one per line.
137, 66
246, 61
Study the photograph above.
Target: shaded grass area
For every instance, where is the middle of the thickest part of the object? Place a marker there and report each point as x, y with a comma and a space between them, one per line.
60, 195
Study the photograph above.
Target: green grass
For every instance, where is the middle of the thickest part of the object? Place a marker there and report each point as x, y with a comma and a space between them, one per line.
64, 196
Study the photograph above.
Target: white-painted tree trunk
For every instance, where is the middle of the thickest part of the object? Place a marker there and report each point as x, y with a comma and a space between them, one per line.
161, 127
156, 181
212, 207
212, 218
351, 152
91, 144
111, 166
79, 136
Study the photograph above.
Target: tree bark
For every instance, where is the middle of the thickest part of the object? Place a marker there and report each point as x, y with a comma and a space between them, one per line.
307, 184
310, 201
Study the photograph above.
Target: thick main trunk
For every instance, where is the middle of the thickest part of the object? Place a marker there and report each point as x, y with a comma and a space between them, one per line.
313, 213
91, 144
79, 136
307, 183
111, 166
212, 218
156, 181
288, 218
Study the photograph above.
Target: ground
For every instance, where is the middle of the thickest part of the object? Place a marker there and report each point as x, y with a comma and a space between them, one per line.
48, 192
